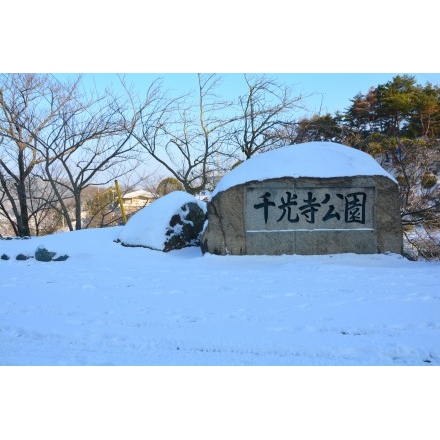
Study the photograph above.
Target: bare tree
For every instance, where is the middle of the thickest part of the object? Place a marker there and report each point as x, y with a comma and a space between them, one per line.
7, 193
263, 108
29, 103
100, 207
44, 217
50, 132
189, 139
91, 144
416, 165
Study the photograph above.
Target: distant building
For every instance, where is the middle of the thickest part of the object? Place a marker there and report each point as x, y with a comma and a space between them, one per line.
136, 200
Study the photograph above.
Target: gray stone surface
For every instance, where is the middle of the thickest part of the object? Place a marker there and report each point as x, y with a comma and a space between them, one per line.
42, 254
185, 227
306, 216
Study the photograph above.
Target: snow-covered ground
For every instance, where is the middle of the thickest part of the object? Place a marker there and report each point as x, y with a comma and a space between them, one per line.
130, 306
112, 305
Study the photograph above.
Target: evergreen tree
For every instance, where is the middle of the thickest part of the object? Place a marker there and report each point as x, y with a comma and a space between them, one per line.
396, 103
425, 118
168, 185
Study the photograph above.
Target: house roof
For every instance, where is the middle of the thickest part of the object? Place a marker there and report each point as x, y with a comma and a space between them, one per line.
140, 193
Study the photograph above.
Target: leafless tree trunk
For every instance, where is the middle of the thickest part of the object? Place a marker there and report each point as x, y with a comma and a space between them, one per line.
415, 167
262, 110
187, 139
92, 145
49, 130
29, 104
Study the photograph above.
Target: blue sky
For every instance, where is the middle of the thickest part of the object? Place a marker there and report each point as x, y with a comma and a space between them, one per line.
330, 91
176, 36
233, 36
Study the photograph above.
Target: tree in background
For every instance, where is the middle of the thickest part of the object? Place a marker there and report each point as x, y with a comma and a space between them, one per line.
101, 208
50, 131
398, 124
265, 109
425, 116
90, 145
416, 168
398, 108
360, 119
315, 128
197, 137
395, 103
168, 185
188, 138
44, 217
29, 105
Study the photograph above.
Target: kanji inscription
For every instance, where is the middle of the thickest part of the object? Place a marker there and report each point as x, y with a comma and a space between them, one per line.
309, 208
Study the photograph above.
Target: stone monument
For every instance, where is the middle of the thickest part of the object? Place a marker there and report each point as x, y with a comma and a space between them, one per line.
309, 199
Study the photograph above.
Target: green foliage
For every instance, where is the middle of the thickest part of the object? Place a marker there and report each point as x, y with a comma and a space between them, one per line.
100, 202
428, 180
360, 117
398, 108
100, 207
401, 179
319, 128
168, 185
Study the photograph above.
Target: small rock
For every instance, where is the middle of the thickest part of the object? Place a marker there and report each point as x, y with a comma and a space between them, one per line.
61, 258
42, 254
22, 257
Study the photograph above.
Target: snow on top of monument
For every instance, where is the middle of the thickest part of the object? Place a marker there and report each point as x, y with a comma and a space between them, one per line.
148, 226
310, 159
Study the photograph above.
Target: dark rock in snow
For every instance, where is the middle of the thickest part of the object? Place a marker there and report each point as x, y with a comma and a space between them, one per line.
22, 257
185, 227
61, 258
42, 254
171, 222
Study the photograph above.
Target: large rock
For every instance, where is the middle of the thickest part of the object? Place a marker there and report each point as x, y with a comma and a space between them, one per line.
171, 222
185, 227
306, 215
